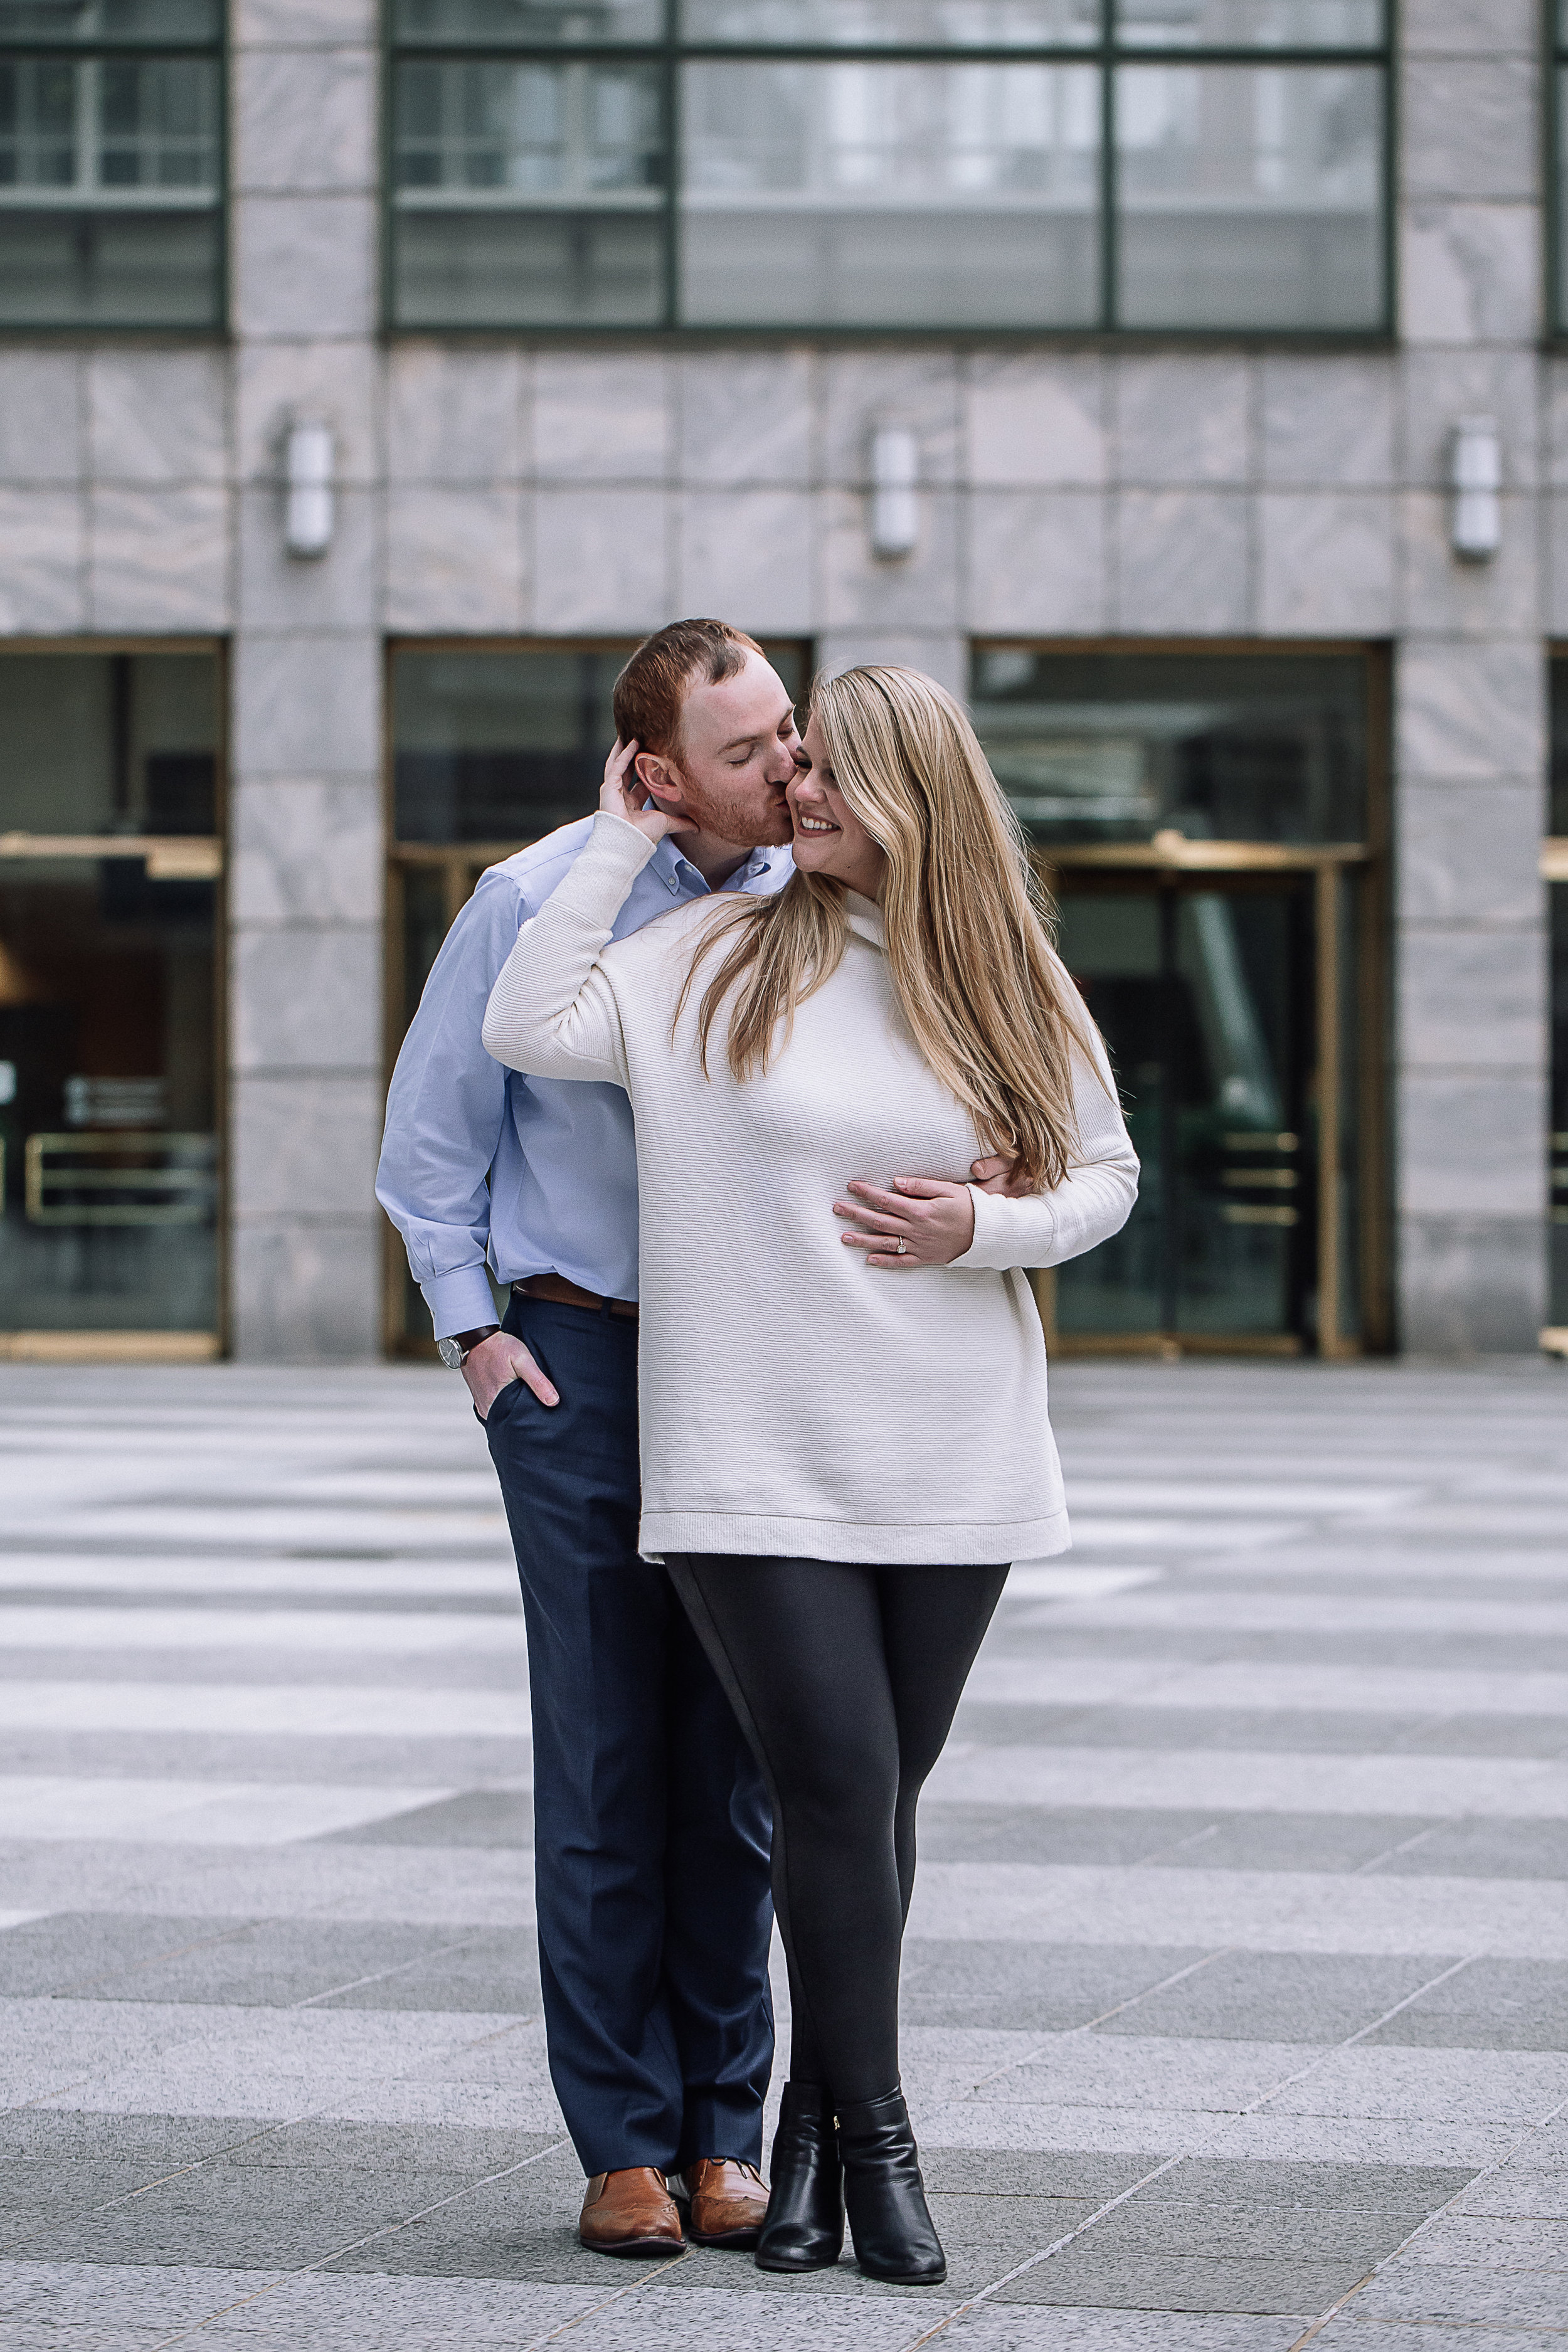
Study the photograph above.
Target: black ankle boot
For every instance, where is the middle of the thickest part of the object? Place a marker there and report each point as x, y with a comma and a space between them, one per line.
894, 2235
804, 2228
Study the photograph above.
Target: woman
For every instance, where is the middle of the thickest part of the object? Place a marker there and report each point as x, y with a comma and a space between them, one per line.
839, 1464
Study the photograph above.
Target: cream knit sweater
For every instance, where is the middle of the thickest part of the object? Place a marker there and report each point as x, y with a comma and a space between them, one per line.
794, 1399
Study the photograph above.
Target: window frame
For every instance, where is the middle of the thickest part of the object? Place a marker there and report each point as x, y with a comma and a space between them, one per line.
216, 328
669, 52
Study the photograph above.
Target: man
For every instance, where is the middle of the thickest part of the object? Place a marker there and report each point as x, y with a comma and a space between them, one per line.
651, 1828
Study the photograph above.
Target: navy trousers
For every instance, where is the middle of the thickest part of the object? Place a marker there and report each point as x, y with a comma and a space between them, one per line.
651, 1822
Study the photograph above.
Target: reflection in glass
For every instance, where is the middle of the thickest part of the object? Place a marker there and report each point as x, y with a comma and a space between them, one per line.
1250, 196
108, 191
498, 747
89, 21
1206, 998
109, 1152
1116, 747
890, 195
910, 23
1557, 1228
523, 23
1239, 23
528, 193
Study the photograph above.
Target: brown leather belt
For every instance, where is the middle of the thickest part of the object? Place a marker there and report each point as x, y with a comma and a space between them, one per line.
561, 1293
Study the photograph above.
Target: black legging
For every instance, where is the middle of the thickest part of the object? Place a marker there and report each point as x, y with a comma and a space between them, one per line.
845, 1679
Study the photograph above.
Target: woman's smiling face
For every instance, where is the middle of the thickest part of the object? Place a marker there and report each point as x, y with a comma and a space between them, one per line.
829, 838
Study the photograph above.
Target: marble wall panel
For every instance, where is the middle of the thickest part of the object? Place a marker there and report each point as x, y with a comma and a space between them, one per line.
158, 559
41, 417
1037, 561
305, 1144
1437, 591
157, 416
1327, 422
941, 654
306, 1292
1470, 126
338, 382
1471, 1285
601, 418
1469, 273
1474, 1000
305, 999
1469, 712
42, 575
1471, 1146
454, 414
1439, 387
747, 417
306, 849
1469, 27
862, 591
1183, 419
1326, 564
750, 557
305, 266
306, 703
455, 558
602, 560
1469, 852
305, 24
1555, 421
341, 589
864, 389
1036, 421
304, 119
1182, 561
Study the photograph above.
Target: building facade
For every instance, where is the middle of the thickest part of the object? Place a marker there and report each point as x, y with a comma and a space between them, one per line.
1178, 381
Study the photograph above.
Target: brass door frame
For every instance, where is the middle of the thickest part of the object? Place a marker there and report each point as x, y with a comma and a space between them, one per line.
1171, 855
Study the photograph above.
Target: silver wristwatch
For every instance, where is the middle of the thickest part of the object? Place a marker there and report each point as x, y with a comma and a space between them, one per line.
455, 1352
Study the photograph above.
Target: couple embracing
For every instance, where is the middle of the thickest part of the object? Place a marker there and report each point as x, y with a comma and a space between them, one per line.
813, 971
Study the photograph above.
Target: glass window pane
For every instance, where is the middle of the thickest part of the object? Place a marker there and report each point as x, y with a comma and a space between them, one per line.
890, 195
152, 268
500, 24
912, 24
1115, 747
89, 21
107, 744
499, 747
1238, 24
1250, 196
528, 193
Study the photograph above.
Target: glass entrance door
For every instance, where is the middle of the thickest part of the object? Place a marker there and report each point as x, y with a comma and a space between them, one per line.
1207, 996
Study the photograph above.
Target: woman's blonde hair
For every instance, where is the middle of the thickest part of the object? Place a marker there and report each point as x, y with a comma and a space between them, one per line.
992, 1010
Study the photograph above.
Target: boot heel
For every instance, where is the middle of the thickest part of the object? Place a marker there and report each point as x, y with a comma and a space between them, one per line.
895, 2237
804, 2228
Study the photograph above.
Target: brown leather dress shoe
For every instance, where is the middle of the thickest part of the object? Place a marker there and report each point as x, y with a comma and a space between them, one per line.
729, 2203
629, 2213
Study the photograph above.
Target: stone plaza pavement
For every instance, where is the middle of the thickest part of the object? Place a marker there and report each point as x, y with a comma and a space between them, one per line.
1237, 1991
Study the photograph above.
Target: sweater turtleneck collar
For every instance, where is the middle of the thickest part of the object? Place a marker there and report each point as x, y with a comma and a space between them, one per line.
866, 921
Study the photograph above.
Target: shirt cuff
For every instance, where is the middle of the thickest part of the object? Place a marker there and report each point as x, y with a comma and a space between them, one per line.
460, 1301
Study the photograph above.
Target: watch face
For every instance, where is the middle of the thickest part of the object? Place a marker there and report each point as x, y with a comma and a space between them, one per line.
451, 1354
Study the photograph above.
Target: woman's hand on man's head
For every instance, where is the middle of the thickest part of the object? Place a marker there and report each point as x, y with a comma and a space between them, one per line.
935, 1221
621, 794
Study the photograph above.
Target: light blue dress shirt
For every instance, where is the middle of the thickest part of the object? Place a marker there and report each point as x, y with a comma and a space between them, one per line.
560, 1158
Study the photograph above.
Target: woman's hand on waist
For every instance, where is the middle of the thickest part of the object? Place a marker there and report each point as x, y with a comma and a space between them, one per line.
923, 1221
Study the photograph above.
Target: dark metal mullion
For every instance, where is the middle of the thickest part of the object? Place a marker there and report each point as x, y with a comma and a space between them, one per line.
761, 53
1108, 180
673, 174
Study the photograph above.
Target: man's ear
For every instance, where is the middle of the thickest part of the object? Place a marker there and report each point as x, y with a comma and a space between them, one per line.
660, 776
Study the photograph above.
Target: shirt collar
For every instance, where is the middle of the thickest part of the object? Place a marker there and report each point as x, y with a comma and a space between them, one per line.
677, 873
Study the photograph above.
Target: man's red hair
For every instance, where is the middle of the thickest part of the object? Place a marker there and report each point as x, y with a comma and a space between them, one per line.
650, 692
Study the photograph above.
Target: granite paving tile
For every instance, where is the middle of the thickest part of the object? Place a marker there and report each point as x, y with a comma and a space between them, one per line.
1492, 2004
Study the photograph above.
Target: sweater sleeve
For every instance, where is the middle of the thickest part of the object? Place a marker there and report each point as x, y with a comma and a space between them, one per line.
1093, 1200
553, 1011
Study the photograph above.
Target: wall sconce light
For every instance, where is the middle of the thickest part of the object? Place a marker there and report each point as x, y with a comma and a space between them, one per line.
1475, 477
307, 479
894, 469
